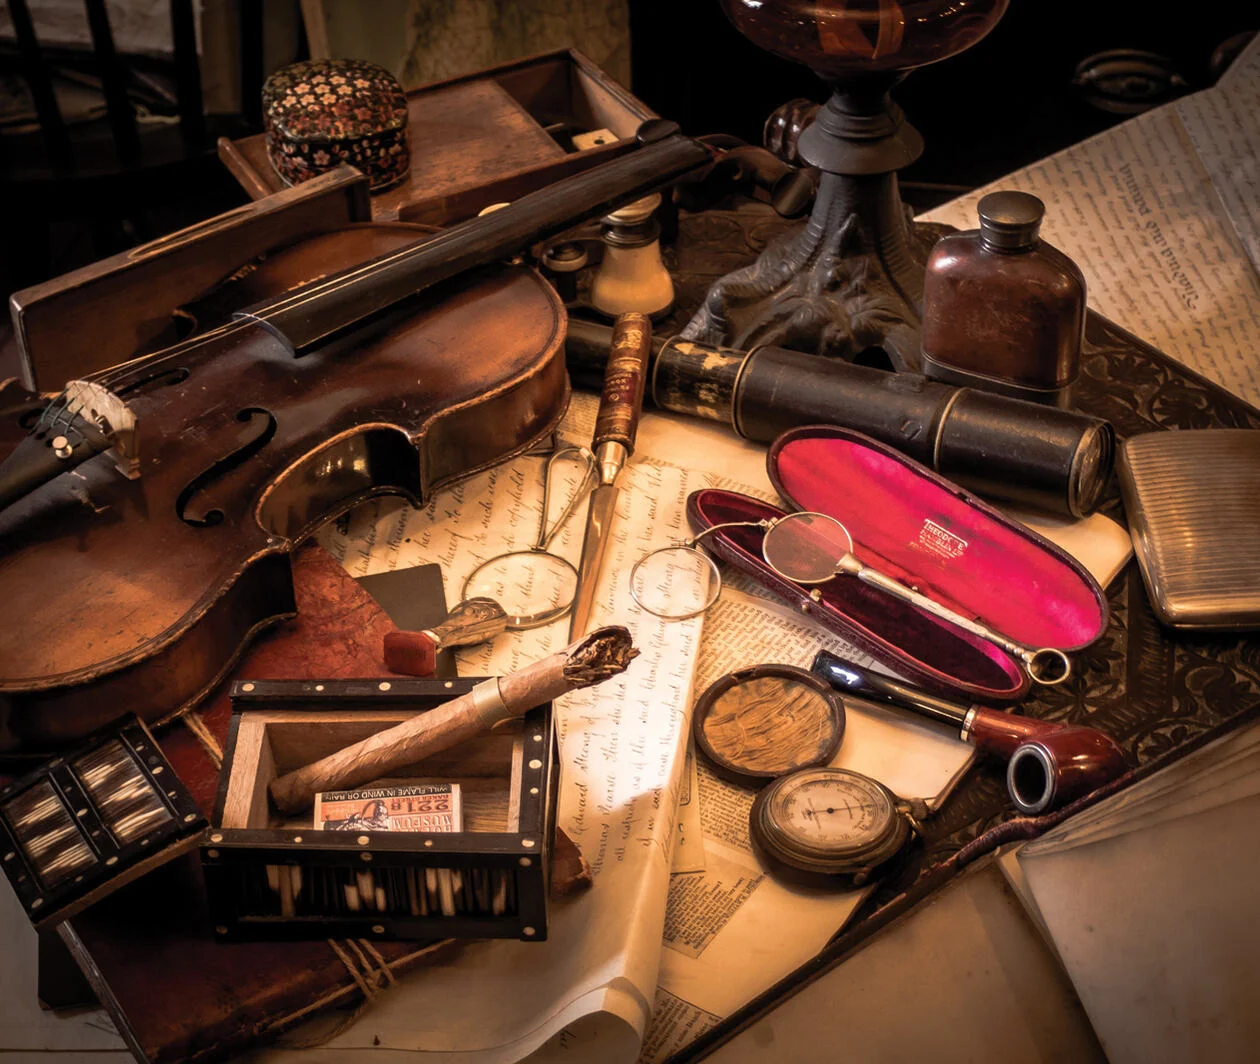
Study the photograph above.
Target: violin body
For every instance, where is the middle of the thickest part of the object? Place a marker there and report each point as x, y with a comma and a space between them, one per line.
137, 595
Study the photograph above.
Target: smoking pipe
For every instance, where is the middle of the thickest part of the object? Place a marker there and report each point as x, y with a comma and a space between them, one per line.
1049, 764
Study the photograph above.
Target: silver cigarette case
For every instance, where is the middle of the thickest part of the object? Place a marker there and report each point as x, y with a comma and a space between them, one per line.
1193, 501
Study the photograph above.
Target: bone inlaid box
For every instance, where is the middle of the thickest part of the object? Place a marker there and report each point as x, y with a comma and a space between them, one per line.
84, 824
272, 875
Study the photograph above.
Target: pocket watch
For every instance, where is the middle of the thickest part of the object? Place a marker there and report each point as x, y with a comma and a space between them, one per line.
819, 826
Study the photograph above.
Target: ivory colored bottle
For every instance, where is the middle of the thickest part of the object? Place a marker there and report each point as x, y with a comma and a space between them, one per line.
632, 276
1002, 309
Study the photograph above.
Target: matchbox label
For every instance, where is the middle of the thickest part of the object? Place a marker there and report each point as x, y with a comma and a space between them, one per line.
940, 541
428, 807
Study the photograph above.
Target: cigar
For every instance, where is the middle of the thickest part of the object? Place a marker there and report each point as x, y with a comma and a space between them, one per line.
594, 658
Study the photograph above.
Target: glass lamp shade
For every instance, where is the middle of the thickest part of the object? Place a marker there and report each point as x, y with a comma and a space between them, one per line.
843, 39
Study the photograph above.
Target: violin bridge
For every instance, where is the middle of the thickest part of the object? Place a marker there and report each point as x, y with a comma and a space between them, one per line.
99, 404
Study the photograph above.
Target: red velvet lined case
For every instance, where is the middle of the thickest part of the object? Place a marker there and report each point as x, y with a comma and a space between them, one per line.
927, 532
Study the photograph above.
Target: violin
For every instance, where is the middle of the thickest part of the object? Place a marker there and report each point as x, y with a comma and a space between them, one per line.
377, 359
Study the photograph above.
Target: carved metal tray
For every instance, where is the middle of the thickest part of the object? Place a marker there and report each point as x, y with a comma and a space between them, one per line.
1156, 691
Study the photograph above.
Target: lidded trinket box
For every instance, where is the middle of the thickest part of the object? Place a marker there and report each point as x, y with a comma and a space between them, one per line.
324, 112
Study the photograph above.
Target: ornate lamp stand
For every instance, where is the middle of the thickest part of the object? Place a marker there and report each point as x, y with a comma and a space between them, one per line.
853, 277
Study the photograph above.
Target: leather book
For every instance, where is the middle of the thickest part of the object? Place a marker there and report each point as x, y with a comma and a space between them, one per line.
177, 995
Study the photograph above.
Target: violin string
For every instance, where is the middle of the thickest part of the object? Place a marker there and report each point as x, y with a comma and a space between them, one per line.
48, 418
492, 224
111, 375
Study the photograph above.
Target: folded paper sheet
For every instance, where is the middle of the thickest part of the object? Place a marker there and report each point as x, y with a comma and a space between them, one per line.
1168, 972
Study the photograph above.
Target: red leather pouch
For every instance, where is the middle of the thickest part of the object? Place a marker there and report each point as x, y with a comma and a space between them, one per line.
928, 533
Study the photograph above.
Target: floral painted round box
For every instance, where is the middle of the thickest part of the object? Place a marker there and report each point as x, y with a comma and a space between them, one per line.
324, 112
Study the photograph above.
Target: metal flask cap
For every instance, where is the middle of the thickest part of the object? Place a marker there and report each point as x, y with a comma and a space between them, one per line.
1010, 220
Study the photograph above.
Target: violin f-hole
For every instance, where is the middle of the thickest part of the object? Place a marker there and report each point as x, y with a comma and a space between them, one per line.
223, 466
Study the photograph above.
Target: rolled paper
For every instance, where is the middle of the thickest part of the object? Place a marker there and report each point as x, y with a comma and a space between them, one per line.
591, 660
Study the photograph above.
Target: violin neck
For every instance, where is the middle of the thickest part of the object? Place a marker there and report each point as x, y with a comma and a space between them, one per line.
319, 312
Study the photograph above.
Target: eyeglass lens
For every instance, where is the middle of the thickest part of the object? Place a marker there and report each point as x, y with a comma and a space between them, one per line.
806, 547
675, 583
530, 585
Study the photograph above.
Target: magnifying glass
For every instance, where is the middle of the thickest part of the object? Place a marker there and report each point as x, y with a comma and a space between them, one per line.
534, 586
681, 581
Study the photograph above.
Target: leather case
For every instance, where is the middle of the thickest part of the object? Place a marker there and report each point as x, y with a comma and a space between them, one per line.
926, 532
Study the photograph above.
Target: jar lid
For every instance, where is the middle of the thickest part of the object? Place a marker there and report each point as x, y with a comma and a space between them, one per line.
568, 257
639, 210
333, 99
1010, 219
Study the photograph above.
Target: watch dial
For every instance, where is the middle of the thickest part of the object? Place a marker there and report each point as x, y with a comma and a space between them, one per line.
832, 812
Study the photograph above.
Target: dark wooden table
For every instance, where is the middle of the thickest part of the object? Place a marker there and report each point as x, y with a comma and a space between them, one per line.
1158, 693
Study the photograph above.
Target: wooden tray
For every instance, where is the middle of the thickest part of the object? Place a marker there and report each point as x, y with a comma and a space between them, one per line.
486, 137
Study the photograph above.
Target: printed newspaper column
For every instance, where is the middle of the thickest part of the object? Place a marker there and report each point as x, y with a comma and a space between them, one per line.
731, 931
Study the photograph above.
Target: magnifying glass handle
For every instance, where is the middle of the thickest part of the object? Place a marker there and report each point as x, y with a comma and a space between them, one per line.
1046, 665
471, 622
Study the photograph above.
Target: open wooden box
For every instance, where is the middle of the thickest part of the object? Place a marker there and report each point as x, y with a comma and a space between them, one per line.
487, 137
273, 876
